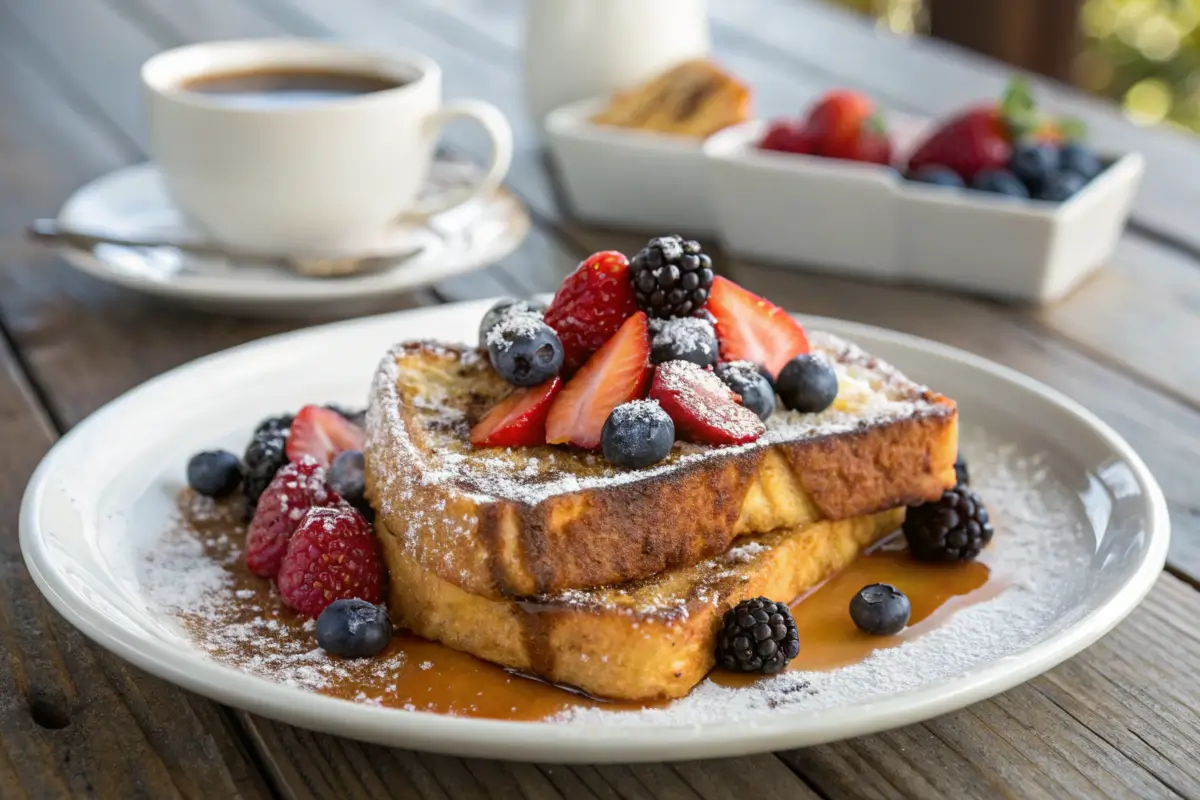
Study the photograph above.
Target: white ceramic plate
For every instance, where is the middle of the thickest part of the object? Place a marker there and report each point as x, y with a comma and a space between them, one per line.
112, 479
133, 202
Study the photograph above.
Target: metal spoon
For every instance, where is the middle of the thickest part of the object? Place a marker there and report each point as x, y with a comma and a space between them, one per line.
309, 265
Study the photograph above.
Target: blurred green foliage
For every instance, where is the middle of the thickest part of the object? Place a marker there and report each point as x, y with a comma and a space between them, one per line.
1144, 54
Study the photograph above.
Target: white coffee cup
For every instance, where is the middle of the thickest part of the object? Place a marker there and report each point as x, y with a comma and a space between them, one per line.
329, 175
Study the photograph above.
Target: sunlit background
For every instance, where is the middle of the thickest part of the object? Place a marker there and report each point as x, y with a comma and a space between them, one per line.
1144, 54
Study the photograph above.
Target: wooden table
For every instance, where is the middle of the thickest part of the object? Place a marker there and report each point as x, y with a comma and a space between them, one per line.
1119, 720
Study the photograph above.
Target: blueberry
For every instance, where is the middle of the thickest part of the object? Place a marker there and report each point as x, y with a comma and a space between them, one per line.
745, 378
1061, 186
807, 383
214, 473
683, 339
503, 308
353, 629
637, 434
962, 476
1082, 160
345, 476
1000, 181
880, 609
936, 175
1034, 162
524, 350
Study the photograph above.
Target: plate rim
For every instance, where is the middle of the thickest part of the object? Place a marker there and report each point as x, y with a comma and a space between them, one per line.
584, 743
214, 289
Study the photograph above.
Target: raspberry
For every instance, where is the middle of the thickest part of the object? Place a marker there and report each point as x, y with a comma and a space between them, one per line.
331, 556
295, 488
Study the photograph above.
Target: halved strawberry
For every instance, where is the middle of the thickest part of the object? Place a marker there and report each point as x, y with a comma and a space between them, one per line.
322, 433
590, 305
703, 408
518, 420
750, 328
617, 373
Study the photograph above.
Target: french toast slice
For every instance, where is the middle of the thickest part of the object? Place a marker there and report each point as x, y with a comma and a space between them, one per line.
694, 99
646, 640
539, 520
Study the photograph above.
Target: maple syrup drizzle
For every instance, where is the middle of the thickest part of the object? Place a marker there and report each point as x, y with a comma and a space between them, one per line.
417, 674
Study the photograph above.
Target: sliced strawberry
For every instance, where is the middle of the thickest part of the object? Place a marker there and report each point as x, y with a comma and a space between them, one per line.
321, 433
617, 373
590, 305
703, 408
518, 420
752, 329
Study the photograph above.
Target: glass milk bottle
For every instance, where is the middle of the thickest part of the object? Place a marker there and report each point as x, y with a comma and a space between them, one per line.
583, 48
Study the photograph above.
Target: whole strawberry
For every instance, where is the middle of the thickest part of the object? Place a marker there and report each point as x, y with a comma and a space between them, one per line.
295, 489
332, 555
844, 124
590, 305
980, 138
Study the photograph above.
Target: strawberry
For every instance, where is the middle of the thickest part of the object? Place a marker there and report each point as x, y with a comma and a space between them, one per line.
788, 136
751, 329
332, 555
703, 408
518, 420
980, 138
616, 373
321, 434
295, 489
590, 305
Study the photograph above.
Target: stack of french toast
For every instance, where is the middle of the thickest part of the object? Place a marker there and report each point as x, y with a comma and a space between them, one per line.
586, 493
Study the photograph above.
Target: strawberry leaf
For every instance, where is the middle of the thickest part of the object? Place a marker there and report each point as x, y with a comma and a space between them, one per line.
1018, 108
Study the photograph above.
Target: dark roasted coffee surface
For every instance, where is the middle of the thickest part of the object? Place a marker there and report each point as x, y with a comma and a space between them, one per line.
279, 88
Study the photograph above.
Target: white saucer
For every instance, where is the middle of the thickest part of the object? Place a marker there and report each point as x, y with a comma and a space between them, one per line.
134, 202
1080, 524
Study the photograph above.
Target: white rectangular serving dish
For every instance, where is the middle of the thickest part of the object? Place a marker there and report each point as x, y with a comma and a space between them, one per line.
866, 220
630, 179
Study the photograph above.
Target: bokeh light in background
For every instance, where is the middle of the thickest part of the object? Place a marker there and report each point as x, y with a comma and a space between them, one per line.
1143, 54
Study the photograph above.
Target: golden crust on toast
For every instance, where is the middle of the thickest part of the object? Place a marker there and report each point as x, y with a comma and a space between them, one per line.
650, 639
696, 99
501, 523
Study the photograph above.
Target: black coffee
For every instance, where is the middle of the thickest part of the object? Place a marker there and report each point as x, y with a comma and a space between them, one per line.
285, 88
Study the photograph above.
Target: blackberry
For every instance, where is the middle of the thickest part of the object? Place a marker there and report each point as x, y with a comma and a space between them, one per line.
671, 277
265, 454
757, 635
954, 528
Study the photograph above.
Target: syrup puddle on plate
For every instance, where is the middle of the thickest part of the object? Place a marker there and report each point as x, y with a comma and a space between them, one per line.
242, 622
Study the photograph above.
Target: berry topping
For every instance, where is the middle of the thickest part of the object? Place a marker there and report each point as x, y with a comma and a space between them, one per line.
844, 125
937, 176
880, 609
331, 556
590, 305
757, 636
353, 628
1034, 162
265, 454
962, 476
747, 380
1079, 159
999, 181
295, 489
616, 373
358, 417
214, 473
751, 329
502, 309
671, 277
321, 434
345, 476
954, 528
789, 136
524, 350
807, 384
683, 339
518, 420
637, 434
980, 138
1062, 185
703, 408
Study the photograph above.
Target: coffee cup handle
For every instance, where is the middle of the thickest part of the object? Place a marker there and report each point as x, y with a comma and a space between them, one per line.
496, 127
